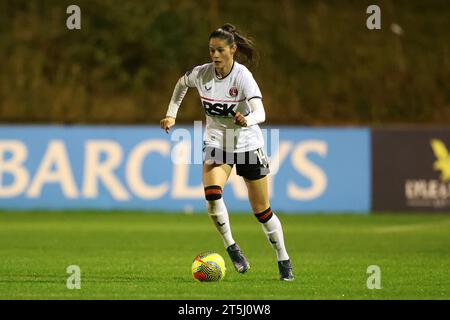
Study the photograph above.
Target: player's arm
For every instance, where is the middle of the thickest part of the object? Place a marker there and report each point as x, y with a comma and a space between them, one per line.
251, 90
177, 97
256, 115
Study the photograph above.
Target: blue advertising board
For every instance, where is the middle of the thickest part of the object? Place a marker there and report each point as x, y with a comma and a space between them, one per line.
143, 168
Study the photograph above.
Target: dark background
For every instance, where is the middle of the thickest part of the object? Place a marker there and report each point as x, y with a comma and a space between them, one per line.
319, 64
399, 155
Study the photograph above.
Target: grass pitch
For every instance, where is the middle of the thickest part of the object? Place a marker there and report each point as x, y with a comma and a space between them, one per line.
148, 256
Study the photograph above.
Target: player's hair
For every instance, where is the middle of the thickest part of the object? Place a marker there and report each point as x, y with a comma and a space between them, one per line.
245, 46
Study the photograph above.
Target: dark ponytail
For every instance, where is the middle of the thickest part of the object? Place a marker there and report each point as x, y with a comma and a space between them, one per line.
246, 53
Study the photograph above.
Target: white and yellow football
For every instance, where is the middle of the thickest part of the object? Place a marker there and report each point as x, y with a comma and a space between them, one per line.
208, 266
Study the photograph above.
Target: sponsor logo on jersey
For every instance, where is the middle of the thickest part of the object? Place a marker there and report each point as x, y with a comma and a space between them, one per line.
233, 91
219, 109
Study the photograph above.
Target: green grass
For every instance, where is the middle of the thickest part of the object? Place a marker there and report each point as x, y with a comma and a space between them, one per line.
148, 256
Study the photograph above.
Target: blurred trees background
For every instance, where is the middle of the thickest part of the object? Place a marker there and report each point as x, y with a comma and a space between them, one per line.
319, 64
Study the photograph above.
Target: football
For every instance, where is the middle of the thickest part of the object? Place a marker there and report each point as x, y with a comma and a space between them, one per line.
208, 266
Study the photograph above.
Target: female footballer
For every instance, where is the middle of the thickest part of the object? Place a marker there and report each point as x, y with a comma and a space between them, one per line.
233, 107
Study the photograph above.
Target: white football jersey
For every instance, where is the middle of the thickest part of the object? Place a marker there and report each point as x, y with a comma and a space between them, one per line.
221, 98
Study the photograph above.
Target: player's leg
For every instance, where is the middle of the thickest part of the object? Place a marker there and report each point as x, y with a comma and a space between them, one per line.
259, 200
214, 178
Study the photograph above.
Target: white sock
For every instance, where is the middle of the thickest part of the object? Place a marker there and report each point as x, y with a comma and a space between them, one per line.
274, 233
218, 213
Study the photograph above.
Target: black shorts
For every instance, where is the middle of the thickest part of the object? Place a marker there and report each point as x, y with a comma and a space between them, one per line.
252, 165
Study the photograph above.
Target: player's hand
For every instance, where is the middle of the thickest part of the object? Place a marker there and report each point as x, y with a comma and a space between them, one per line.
167, 123
240, 119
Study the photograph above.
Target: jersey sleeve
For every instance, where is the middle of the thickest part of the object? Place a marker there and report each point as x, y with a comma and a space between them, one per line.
249, 86
191, 76
177, 97
257, 114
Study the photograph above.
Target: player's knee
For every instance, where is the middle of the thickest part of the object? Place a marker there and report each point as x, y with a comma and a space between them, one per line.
213, 192
265, 215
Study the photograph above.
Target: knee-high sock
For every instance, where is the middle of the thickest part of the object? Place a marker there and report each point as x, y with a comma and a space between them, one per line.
218, 213
274, 232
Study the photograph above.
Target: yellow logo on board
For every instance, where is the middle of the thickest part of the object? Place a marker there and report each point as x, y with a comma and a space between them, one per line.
443, 159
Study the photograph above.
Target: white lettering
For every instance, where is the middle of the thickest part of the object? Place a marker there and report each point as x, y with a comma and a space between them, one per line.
307, 168
374, 20
74, 20
55, 155
13, 166
374, 280
74, 280
134, 169
95, 171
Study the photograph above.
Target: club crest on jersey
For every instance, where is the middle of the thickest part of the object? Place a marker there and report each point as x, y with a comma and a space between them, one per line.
233, 92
